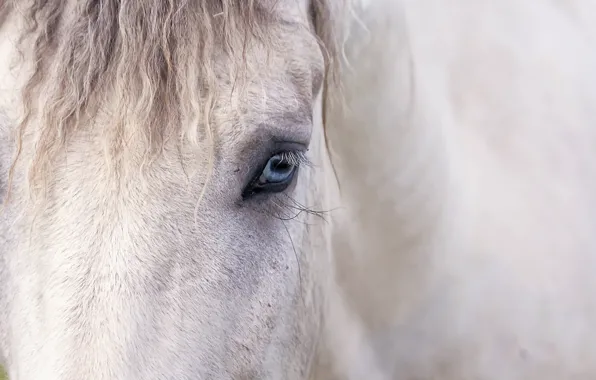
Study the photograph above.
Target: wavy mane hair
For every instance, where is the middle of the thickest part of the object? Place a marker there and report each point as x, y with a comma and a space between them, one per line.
154, 57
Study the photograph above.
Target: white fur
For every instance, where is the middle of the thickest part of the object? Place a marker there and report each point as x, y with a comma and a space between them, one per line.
465, 246
468, 171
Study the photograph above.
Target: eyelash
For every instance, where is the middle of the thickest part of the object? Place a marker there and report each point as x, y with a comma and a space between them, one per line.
297, 158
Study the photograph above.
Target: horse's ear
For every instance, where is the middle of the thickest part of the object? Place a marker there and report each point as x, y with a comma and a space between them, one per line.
324, 16
327, 17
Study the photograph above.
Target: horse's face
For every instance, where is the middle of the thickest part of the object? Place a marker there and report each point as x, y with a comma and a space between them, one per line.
132, 272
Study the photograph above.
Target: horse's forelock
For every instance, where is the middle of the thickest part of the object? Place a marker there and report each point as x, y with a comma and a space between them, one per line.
154, 59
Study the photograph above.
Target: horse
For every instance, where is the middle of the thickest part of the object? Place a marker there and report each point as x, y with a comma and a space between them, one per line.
293, 189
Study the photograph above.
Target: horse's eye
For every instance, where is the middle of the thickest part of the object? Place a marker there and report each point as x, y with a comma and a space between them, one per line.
278, 170
276, 176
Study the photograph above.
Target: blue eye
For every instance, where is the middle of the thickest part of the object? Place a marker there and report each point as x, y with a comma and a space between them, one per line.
279, 169
276, 175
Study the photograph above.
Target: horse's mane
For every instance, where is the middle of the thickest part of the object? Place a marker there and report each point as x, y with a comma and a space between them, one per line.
154, 57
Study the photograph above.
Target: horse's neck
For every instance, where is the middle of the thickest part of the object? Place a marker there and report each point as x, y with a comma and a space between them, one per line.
391, 176
390, 153
419, 106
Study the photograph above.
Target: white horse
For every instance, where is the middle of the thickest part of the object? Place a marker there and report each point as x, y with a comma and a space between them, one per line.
161, 220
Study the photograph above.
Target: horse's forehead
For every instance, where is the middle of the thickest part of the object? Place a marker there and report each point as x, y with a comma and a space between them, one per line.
289, 8
284, 82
